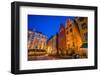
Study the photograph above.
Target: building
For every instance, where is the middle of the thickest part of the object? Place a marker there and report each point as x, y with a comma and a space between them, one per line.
36, 44
83, 27
30, 39
52, 44
61, 40
73, 38
49, 46
36, 40
55, 44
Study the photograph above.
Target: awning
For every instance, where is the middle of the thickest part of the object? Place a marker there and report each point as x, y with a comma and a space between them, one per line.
84, 45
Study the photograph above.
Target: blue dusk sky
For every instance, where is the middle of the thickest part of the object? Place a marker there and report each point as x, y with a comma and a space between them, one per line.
47, 24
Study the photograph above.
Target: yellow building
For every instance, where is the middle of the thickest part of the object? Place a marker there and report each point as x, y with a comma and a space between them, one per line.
52, 45
73, 38
62, 40
83, 27
49, 46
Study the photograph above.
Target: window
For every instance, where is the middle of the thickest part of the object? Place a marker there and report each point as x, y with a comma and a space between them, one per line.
84, 26
71, 30
73, 44
66, 28
32, 37
86, 36
67, 32
70, 25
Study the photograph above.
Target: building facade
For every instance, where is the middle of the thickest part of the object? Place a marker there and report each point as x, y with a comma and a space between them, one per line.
83, 27
61, 40
52, 45
49, 46
55, 44
73, 37
36, 40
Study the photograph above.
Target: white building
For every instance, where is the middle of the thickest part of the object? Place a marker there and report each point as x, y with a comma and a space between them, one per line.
36, 40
